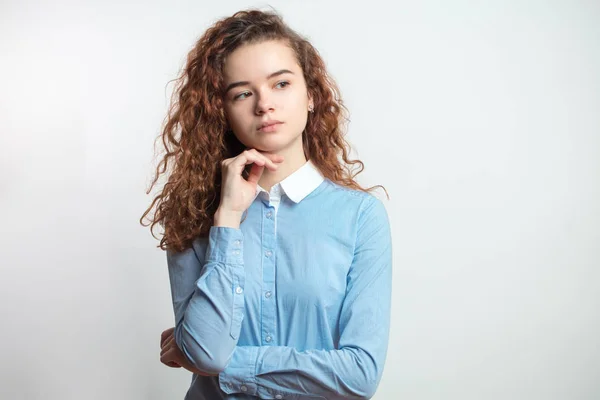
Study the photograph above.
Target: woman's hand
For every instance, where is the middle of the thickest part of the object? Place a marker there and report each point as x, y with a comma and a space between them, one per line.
171, 355
238, 193
165, 338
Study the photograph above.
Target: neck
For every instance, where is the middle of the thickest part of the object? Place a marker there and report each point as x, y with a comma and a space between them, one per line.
293, 159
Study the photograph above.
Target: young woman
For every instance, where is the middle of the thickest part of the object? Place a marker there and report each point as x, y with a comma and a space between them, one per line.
280, 263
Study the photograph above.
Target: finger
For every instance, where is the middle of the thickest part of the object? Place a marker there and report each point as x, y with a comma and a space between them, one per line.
166, 356
171, 364
255, 173
252, 156
165, 348
268, 159
169, 349
238, 164
276, 158
165, 335
168, 344
167, 332
169, 360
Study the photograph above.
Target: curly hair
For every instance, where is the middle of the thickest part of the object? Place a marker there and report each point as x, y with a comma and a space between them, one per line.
196, 136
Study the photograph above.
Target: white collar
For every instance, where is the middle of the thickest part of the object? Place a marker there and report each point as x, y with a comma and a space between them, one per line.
300, 183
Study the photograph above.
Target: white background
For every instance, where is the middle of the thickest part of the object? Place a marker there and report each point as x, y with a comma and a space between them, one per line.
480, 118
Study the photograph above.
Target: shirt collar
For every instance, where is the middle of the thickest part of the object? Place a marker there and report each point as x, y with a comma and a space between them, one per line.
300, 183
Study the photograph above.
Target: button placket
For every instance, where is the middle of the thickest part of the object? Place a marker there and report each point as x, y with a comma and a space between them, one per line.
269, 243
238, 299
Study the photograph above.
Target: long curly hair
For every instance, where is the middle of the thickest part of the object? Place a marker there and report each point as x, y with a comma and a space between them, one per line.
196, 137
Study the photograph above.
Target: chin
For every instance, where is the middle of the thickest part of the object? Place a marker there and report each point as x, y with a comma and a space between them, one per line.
272, 143
269, 148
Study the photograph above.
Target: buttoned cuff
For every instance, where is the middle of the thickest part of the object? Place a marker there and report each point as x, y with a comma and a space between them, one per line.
225, 245
240, 374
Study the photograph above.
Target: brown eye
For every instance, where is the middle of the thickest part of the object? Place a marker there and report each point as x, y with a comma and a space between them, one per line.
239, 96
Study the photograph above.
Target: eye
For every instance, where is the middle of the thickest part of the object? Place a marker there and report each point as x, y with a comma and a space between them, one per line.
282, 82
239, 96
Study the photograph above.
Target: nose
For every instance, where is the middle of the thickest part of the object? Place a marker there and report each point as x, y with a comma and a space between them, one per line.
263, 104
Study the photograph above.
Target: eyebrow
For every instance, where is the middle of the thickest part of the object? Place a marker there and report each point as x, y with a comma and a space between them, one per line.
243, 83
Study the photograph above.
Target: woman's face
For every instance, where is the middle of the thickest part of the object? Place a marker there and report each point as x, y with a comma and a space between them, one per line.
264, 83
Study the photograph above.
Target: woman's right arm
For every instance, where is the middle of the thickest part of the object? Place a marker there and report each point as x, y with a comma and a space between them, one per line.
207, 280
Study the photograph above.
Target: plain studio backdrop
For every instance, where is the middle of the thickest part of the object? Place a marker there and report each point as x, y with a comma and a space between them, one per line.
481, 119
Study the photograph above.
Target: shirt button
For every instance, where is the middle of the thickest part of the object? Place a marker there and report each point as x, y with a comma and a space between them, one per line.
268, 294
269, 214
239, 290
278, 396
236, 252
268, 253
244, 388
268, 338
238, 242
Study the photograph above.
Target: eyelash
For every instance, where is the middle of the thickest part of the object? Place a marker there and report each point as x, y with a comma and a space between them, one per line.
238, 97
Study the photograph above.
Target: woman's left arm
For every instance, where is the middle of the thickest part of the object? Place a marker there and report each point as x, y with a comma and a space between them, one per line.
354, 369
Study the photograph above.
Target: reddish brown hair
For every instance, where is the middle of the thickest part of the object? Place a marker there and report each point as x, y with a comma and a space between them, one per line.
196, 138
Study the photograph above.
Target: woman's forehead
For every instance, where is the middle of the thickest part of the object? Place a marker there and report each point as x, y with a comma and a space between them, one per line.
259, 60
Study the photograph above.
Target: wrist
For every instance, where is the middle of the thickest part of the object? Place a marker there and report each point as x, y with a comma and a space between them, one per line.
226, 218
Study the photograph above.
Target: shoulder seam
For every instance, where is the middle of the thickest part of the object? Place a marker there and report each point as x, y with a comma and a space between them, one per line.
353, 192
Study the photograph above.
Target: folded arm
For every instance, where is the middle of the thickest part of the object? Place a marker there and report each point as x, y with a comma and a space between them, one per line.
207, 289
354, 369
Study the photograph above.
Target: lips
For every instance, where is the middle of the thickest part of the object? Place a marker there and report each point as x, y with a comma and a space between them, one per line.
270, 128
269, 123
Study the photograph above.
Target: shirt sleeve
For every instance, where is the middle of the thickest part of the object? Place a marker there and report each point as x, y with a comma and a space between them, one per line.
351, 371
207, 289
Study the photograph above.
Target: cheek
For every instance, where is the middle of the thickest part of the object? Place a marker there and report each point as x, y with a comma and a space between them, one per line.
300, 101
240, 119
235, 116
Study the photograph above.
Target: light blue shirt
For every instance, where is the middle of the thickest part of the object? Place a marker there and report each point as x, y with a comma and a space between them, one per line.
295, 304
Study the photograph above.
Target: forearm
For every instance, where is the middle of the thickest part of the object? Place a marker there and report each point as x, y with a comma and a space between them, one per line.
207, 327
268, 371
